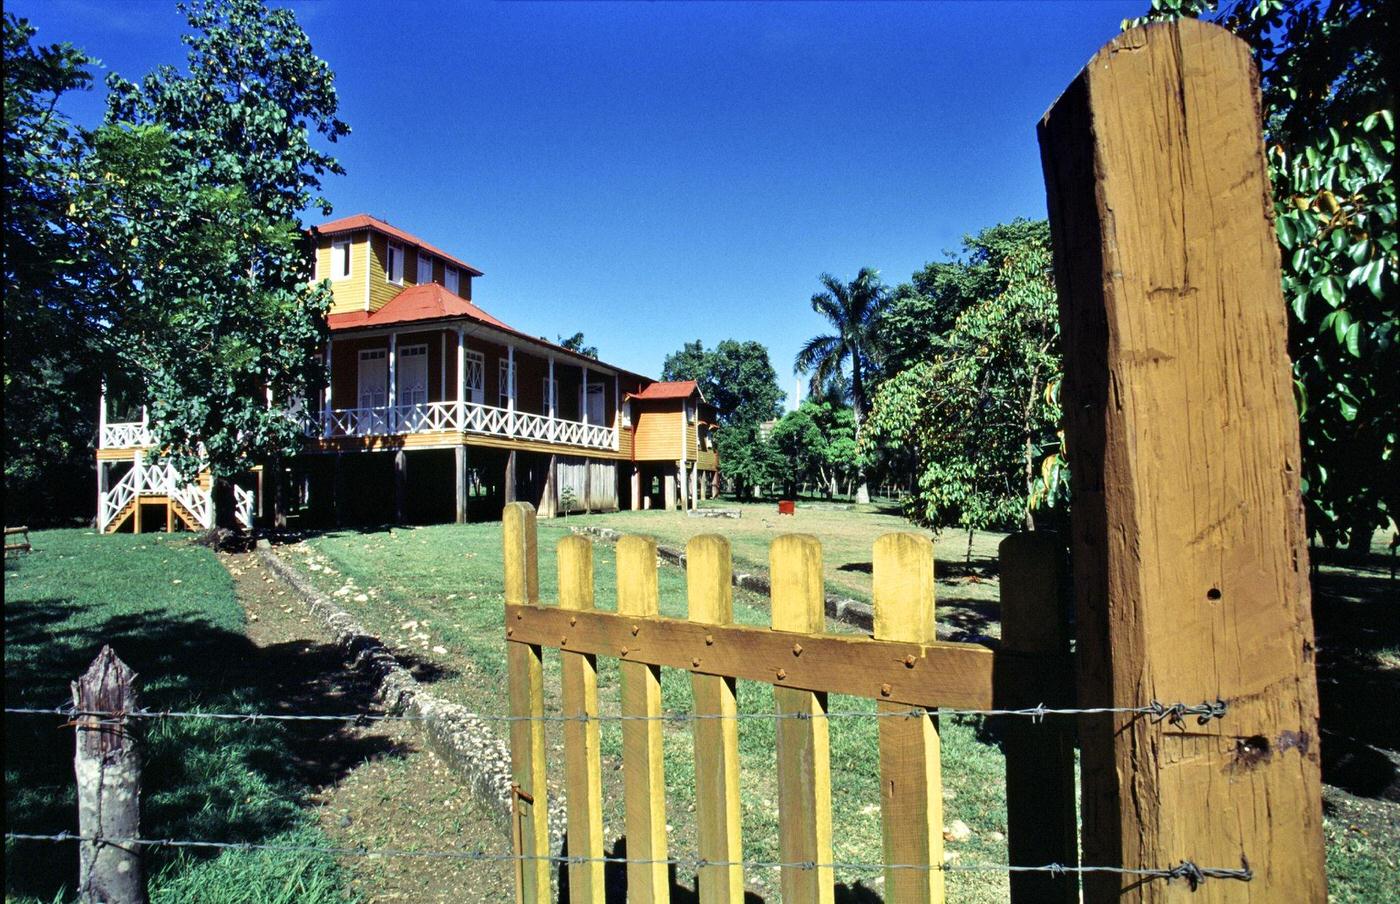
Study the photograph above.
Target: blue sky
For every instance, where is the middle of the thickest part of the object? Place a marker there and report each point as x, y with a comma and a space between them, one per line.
655, 173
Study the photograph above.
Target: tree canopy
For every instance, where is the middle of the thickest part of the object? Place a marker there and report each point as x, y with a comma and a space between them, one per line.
736, 377
199, 178
576, 343
53, 316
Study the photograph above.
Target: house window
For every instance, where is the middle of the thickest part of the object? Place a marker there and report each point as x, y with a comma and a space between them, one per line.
425, 268
393, 263
505, 382
593, 403
412, 376
474, 377
340, 259
690, 411
627, 413
449, 279
551, 396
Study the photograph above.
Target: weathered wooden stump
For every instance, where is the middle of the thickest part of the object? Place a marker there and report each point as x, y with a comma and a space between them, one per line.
108, 768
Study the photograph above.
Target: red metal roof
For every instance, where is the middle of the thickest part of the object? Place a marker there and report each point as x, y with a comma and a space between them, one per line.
365, 221
428, 301
667, 389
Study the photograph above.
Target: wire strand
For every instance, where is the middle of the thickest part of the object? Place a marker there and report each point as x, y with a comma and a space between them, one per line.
1186, 870
1174, 713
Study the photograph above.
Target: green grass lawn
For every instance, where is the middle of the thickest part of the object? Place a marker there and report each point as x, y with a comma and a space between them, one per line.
847, 535
440, 588
168, 608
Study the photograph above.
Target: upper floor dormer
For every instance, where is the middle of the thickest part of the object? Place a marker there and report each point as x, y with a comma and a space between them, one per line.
369, 261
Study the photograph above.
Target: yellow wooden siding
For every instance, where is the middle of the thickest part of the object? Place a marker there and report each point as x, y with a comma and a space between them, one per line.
692, 441
348, 294
657, 431
624, 441
708, 461
380, 289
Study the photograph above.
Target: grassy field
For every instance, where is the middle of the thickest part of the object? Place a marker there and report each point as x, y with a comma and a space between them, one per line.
435, 593
847, 534
168, 609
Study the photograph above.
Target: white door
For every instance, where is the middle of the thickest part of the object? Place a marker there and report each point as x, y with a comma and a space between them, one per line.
474, 374
595, 403
374, 378
412, 376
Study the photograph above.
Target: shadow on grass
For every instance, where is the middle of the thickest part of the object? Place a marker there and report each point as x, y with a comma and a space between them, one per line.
202, 779
1356, 613
615, 883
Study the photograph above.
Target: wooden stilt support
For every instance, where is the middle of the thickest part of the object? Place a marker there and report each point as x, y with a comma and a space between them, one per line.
509, 484
400, 485
459, 467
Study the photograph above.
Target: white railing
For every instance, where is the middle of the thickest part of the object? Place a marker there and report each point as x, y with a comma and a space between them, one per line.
125, 435
464, 417
243, 503
162, 479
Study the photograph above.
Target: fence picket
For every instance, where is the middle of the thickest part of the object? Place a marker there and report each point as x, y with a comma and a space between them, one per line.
582, 768
644, 780
911, 772
526, 680
711, 600
803, 744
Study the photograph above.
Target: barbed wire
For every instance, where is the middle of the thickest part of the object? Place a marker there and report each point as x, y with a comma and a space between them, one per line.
1173, 713
1186, 870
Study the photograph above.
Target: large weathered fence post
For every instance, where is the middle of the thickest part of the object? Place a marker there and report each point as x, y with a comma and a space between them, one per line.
108, 768
1190, 562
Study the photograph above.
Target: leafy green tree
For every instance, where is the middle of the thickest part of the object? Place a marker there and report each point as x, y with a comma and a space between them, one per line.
800, 448
1326, 71
981, 414
747, 460
575, 343
736, 377
53, 315
202, 175
925, 309
854, 311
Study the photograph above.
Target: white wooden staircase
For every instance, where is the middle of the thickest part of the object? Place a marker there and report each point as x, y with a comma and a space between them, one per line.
160, 484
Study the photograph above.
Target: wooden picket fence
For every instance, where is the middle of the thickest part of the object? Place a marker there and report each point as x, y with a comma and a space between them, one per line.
903, 667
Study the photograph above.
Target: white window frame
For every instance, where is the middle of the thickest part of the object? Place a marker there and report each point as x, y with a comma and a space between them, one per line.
474, 394
379, 353
691, 412
626, 413
505, 381
452, 279
417, 350
424, 258
594, 387
551, 395
341, 268
393, 263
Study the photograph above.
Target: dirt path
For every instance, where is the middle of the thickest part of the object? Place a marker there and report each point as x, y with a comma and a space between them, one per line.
375, 786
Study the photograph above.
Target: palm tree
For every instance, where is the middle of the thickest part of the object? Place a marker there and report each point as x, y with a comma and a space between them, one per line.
853, 309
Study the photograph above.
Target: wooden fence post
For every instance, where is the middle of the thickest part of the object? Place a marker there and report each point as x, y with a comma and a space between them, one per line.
643, 773
911, 771
108, 768
1190, 556
710, 596
803, 744
525, 675
583, 775
1041, 826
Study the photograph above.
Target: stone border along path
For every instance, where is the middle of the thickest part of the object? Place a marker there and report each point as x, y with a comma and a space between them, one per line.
456, 733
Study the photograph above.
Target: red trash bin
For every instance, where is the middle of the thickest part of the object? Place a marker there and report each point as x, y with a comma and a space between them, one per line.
787, 507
